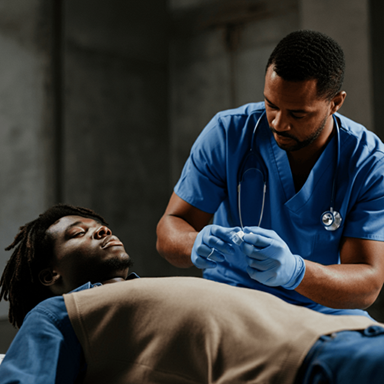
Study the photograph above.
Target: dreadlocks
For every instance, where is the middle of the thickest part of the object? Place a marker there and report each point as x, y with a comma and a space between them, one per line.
19, 282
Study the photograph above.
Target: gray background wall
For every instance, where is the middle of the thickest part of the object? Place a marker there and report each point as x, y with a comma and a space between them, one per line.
100, 102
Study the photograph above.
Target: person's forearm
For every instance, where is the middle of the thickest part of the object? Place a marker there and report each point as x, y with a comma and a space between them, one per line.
175, 238
340, 286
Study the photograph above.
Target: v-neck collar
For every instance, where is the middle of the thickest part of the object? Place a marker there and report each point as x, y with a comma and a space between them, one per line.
326, 161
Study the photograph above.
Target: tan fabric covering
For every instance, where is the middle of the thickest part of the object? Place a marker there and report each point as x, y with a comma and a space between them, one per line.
190, 330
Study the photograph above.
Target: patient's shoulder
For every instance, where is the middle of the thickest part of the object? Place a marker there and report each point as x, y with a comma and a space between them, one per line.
53, 309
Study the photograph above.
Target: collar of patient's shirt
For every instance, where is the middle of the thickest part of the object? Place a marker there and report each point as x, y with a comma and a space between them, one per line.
88, 285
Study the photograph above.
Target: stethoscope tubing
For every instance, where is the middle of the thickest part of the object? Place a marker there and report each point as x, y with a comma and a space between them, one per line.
336, 217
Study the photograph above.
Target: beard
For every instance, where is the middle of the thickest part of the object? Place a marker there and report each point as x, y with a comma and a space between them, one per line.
299, 144
109, 268
117, 264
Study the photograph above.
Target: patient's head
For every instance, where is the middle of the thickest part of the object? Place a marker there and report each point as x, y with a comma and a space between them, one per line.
63, 248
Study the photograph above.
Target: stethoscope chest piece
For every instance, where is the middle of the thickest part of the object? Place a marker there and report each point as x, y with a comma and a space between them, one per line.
331, 220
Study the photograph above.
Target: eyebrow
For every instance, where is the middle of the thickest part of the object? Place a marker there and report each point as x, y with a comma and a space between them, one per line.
74, 224
290, 110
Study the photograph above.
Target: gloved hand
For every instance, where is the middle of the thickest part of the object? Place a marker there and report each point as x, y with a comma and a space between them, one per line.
212, 243
270, 261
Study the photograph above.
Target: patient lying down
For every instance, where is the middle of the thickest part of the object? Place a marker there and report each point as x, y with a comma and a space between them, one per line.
160, 330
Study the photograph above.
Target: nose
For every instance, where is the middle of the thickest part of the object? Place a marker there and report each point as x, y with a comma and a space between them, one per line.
102, 231
279, 122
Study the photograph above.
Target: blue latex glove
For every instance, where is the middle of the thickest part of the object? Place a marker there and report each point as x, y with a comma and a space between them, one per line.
270, 261
212, 243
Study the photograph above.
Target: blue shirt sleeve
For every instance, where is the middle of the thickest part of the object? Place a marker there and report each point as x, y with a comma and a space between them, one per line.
45, 350
366, 218
216, 157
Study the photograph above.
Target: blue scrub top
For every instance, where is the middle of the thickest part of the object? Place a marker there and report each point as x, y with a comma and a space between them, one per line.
211, 175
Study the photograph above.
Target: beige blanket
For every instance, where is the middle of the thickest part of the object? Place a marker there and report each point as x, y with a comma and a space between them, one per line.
191, 330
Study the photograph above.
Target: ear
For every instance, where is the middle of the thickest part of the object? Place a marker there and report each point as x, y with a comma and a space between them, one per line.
338, 101
48, 277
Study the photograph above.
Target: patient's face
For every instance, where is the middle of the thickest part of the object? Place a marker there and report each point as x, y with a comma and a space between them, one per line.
86, 250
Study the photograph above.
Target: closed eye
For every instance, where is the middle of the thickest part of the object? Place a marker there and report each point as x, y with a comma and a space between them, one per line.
295, 116
78, 234
271, 106
76, 229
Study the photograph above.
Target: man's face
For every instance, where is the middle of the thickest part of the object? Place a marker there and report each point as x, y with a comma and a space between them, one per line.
297, 117
86, 250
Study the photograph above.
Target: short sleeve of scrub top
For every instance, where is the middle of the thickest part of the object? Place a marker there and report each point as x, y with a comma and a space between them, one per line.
203, 182
365, 217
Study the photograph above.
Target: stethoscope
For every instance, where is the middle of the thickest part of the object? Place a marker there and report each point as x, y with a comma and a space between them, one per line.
331, 219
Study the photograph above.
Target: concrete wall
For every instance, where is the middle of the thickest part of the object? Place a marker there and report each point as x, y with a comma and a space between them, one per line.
26, 116
83, 111
115, 135
376, 13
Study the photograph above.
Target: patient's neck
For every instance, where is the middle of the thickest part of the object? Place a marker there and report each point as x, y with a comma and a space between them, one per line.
113, 280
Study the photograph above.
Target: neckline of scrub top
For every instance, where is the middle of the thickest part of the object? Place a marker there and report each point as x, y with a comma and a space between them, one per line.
296, 201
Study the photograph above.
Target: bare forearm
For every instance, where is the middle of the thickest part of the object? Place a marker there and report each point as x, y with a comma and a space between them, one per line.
175, 238
340, 286
177, 231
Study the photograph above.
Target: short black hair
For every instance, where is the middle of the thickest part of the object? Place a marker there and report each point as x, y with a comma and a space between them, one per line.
34, 249
304, 55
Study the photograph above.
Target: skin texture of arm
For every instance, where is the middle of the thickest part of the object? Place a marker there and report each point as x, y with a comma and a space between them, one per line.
177, 231
355, 283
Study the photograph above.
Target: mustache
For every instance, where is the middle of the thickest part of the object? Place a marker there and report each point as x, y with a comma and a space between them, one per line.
283, 134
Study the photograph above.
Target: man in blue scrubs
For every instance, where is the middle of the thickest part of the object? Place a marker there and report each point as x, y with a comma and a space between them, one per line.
295, 190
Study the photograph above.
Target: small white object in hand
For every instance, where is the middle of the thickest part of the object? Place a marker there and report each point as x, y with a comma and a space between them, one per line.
237, 237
